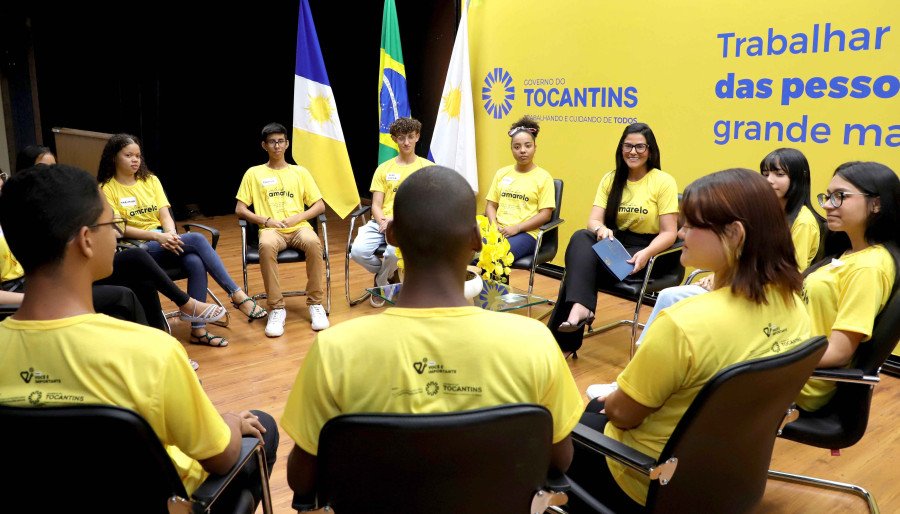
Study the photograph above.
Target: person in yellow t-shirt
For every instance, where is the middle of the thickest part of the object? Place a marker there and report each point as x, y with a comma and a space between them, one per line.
733, 227
846, 290
522, 196
787, 171
387, 178
87, 358
637, 204
137, 196
347, 370
284, 197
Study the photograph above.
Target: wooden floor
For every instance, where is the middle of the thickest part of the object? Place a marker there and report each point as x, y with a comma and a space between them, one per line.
257, 372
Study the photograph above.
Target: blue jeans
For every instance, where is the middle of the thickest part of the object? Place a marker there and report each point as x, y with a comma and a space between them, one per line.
668, 297
198, 259
368, 239
522, 244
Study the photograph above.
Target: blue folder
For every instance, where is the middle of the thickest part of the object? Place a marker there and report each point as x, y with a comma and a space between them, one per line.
614, 255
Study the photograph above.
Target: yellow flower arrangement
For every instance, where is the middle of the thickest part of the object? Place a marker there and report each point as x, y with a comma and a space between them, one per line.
495, 257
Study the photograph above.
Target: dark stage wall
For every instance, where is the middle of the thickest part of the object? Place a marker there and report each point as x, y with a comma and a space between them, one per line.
197, 82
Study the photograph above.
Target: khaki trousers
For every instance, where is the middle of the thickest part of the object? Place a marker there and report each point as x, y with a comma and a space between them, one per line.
304, 239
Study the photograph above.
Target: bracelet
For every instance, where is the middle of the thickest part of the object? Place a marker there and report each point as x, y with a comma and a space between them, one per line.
266, 223
597, 230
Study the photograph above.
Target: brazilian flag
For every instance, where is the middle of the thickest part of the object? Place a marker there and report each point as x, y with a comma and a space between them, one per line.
393, 102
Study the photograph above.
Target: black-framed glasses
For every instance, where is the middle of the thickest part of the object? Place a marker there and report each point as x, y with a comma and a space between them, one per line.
836, 198
118, 225
514, 130
274, 143
639, 148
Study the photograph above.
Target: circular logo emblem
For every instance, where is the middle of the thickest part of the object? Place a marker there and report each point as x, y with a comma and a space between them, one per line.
35, 397
776, 347
498, 92
431, 388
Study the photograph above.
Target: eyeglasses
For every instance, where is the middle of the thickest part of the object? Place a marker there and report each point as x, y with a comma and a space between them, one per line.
836, 198
274, 143
639, 148
118, 225
520, 128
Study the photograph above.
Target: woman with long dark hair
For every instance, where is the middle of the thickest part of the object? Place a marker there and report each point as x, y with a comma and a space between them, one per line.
636, 203
847, 289
734, 226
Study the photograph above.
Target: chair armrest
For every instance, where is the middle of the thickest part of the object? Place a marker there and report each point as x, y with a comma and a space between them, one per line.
625, 454
613, 449
211, 488
322, 218
362, 210
242, 222
693, 275
214, 233
551, 224
676, 247
849, 375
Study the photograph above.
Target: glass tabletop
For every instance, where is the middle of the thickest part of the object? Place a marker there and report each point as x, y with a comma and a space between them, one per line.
494, 297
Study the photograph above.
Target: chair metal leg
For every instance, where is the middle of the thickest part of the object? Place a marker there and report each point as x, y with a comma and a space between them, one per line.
819, 482
264, 473
351, 301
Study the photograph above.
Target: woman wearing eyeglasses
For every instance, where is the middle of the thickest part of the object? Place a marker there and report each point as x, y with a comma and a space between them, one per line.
637, 203
136, 195
521, 197
846, 290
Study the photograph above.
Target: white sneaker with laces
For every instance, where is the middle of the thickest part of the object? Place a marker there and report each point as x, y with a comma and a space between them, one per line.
318, 317
275, 325
601, 390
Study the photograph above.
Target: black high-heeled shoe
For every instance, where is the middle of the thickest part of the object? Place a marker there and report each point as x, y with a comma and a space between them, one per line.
567, 327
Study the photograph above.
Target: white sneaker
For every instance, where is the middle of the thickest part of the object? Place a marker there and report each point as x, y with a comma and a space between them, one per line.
275, 325
319, 320
601, 390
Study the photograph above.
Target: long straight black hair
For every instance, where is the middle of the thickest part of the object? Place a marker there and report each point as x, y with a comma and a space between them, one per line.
794, 163
618, 185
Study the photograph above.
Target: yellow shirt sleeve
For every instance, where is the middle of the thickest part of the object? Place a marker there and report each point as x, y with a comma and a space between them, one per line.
562, 398
159, 194
860, 299
660, 367
667, 199
310, 403
493, 193
805, 236
379, 185
245, 191
548, 194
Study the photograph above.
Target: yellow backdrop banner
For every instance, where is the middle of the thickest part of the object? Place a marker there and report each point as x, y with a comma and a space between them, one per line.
721, 83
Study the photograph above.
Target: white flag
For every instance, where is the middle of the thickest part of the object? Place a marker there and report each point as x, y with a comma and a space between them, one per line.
453, 141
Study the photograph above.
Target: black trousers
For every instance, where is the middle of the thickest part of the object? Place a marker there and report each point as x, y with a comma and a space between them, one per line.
585, 275
136, 270
244, 493
118, 302
590, 470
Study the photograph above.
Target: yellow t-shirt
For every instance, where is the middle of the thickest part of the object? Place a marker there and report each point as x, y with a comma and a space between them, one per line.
643, 201
845, 295
805, 235
519, 196
688, 344
10, 268
279, 194
388, 177
138, 204
423, 361
96, 359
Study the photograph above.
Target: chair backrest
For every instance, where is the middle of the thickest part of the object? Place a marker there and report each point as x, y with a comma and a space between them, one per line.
487, 460
84, 458
551, 238
724, 441
851, 403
